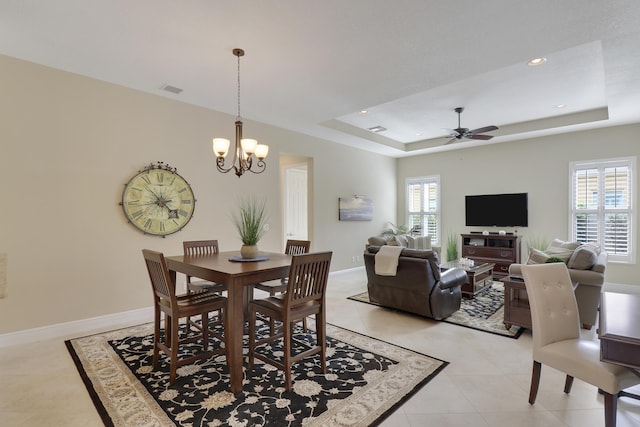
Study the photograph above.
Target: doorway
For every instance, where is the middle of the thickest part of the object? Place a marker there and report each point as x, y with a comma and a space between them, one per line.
295, 197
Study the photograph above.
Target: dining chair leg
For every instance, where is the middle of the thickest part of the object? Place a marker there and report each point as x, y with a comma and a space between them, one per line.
568, 383
321, 336
535, 381
287, 353
174, 349
252, 337
205, 331
156, 337
610, 409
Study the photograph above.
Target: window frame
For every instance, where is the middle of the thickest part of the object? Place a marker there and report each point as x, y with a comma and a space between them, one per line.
437, 212
601, 210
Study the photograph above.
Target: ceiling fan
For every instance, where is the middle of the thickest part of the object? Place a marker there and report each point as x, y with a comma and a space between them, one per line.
461, 132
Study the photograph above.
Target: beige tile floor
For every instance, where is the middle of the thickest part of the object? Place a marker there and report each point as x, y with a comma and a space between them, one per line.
486, 383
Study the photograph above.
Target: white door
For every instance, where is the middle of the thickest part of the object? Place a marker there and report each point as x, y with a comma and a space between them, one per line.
296, 203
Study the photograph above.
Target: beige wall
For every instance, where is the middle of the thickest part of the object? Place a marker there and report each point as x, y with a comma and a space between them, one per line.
538, 166
69, 144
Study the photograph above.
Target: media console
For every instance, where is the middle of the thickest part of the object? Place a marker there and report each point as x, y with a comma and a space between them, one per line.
501, 250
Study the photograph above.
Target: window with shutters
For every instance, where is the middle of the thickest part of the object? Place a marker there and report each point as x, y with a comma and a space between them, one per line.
423, 206
602, 206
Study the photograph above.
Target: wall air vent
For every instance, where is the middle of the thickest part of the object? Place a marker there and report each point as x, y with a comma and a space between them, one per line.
377, 129
171, 89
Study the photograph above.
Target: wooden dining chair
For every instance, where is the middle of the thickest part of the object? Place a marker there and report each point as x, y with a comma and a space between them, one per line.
557, 341
305, 296
176, 307
201, 247
293, 247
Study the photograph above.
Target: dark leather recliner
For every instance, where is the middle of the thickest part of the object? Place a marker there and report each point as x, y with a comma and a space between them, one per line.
418, 287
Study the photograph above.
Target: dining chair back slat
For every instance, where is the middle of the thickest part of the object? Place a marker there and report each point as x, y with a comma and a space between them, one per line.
307, 279
200, 247
163, 288
297, 247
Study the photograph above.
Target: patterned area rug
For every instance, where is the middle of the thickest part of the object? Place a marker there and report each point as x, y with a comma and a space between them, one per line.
485, 312
366, 380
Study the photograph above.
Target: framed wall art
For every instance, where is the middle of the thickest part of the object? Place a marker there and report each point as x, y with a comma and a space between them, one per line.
356, 208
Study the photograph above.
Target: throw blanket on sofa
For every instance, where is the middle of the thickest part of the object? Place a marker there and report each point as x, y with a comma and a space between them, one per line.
386, 260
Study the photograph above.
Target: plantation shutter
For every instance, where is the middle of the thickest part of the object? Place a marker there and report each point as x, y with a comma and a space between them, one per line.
423, 210
602, 208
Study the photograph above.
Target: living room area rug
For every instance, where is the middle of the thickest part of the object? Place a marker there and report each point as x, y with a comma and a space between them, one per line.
366, 380
485, 312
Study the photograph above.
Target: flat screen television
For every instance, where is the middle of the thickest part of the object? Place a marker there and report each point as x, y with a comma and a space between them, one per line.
497, 210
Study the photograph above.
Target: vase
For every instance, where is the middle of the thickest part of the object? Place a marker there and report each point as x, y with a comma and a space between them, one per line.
249, 251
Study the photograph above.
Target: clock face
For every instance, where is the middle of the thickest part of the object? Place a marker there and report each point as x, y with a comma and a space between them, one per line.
158, 201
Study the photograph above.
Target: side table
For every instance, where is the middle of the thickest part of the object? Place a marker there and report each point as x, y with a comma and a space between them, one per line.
516, 303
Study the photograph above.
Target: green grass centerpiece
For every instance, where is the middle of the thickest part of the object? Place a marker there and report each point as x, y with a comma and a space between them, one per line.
250, 223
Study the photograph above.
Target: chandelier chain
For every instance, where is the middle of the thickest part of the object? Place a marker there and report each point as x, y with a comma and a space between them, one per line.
239, 116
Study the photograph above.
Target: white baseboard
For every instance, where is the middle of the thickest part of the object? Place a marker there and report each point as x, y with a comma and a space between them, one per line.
78, 327
95, 324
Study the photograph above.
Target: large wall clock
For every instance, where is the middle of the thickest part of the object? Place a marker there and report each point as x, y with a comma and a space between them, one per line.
157, 200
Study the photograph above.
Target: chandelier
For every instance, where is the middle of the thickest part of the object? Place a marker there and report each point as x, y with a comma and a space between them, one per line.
247, 152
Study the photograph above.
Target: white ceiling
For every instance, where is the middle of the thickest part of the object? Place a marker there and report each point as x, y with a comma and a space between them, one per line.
311, 66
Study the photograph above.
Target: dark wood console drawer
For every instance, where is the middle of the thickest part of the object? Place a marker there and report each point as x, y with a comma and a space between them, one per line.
493, 253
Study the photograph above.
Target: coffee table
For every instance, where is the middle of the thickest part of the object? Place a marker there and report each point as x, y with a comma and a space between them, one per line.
479, 276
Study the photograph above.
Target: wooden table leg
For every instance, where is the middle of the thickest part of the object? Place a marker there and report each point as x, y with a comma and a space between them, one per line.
234, 328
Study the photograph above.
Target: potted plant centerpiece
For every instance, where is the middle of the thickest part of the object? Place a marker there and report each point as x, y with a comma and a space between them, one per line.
250, 223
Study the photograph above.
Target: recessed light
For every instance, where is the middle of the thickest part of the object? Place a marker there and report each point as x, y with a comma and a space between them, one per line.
364, 111
536, 61
561, 106
419, 134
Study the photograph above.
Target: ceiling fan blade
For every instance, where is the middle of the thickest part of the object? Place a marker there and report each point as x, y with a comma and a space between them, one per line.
451, 140
484, 129
483, 137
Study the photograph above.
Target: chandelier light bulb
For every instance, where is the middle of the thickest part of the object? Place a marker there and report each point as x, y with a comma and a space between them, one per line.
221, 146
262, 151
248, 145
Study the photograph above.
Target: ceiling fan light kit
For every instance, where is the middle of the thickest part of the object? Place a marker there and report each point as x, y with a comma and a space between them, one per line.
460, 132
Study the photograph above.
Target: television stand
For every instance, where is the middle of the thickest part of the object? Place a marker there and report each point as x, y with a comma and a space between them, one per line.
501, 250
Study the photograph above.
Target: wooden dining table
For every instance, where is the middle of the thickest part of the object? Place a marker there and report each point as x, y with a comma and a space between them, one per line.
239, 276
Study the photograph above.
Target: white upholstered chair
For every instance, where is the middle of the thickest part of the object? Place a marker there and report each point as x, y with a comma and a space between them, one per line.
557, 342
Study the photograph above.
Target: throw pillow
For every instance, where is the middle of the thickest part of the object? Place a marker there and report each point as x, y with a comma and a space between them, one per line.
558, 244
537, 256
422, 243
561, 249
377, 241
583, 258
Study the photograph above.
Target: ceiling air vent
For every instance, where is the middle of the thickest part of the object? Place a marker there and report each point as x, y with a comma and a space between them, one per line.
171, 89
377, 129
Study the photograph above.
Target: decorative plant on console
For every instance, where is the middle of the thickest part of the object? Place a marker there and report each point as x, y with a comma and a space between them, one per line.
395, 230
250, 223
452, 246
